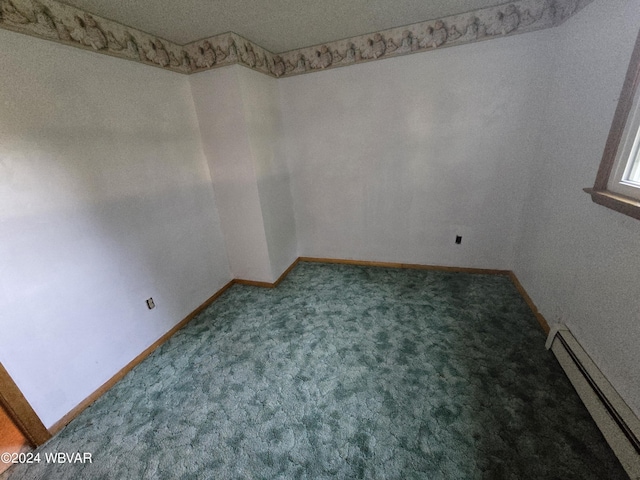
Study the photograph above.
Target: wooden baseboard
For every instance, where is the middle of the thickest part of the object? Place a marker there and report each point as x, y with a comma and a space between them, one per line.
487, 271
413, 266
286, 272
20, 411
254, 283
64, 421
541, 320
60, 424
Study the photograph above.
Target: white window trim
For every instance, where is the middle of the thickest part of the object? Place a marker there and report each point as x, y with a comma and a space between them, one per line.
610, 188
628, 155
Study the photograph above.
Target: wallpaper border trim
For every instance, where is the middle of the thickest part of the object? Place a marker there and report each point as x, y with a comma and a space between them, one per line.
55, 21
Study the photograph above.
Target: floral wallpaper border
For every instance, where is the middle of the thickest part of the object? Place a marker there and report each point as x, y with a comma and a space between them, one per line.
59, 22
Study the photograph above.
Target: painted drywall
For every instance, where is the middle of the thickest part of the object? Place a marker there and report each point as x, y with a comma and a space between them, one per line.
578, 260
263, 117
225, 141
241, 125
391, 160
105, 200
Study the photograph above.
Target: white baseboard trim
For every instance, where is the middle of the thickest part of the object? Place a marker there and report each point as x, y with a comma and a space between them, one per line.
619, 425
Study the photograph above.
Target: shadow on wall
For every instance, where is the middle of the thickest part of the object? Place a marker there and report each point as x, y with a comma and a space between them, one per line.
84, 241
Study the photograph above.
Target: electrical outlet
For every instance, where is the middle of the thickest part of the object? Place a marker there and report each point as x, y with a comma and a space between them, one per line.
150, 303
458, 239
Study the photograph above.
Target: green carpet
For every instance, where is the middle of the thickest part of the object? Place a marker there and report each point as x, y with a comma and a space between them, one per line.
345, 372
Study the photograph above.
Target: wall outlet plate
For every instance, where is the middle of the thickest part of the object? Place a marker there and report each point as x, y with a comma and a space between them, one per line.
150, 303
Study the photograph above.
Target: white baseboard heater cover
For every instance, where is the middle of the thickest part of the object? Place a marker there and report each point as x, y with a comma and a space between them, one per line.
619, 425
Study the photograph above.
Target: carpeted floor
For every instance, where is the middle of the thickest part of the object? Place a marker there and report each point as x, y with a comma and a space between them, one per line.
345, 372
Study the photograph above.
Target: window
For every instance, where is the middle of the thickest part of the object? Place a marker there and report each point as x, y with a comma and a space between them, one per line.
625, 174
617, 184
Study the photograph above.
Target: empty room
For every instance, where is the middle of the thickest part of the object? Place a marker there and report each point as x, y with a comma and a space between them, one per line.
320, 239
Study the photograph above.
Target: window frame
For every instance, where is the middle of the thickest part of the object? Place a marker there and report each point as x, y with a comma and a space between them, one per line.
601, 193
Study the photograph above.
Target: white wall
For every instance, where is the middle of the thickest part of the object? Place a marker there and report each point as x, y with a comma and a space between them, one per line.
390, 160
105, 200
241, 125
579, 261
263, 115
218, 102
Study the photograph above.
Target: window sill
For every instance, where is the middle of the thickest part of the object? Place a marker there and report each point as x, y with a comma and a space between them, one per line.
620, 203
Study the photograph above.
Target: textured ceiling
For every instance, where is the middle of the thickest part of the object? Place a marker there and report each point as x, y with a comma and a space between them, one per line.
277, 25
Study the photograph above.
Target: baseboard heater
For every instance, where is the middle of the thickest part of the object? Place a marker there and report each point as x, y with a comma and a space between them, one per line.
619, 425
